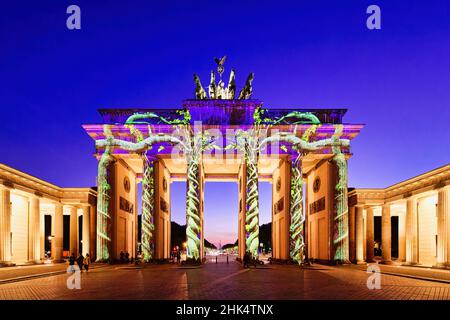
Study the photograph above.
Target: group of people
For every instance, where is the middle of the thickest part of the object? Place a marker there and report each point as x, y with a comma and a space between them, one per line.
176, 255
82, 262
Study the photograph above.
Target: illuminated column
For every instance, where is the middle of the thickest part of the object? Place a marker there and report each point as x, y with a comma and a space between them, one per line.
193, 211
148, 210
104, 219
369, 235
401, 237
340, 215
252, 206
73, 230
86, 236
352, 235
297, 213
57, 232
34, 229
411, 231
42, 236
386, 233
443, 222
5, 226
359, 234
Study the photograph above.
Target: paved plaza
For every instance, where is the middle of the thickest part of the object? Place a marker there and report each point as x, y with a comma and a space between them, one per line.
221, 282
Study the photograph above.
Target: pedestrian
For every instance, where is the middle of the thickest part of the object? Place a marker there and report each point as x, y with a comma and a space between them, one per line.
127, 257
122, 257
178, 256
72, 259
86, 262
246, 258
80, 260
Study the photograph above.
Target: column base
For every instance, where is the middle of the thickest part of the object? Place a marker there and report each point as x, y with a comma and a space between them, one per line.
409, 264
361, 262
370, 260
6, 264
387, 262
441, 266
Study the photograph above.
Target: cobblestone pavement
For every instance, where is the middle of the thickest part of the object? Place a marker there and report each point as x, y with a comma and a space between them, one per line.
10, 273
225, 281
416, 272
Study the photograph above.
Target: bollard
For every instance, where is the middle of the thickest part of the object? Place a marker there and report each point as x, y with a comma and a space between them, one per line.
216, 259
227, 259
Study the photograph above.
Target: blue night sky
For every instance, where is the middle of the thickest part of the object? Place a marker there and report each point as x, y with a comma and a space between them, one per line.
304, 54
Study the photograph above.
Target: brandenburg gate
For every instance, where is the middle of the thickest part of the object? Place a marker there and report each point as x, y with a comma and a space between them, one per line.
224, 135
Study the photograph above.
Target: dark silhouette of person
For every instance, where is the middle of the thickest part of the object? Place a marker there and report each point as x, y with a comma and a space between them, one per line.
246, 259
80, 260
178, 256
72, 259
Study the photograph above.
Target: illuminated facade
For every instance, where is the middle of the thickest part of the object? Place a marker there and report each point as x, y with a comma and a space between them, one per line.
217, 137
26, 201
414, 218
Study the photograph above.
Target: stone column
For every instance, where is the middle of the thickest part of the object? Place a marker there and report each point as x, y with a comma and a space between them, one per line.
42, 236
34, 230
402, 237
93, 232
369, 235
5, 226
386, 234
411, 231
86, 230
352, 235
57, 233
443, 224
359, 234
73, 231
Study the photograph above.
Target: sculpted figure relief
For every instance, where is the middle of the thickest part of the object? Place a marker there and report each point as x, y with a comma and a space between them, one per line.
200, 93
247, 91
220, 90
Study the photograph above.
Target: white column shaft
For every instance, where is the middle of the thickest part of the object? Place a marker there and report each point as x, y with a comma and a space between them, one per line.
359, 234
34, 230
411, 231
73, 231
57, 232
369, 235
86, 230
386, 233
5, 226
443, 221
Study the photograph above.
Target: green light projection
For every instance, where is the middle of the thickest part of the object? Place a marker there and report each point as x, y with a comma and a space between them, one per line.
302, 145
340, 225
296, 227
249, 142
103, 202
148, 209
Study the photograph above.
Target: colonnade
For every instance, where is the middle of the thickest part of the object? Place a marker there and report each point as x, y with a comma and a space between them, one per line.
423, 228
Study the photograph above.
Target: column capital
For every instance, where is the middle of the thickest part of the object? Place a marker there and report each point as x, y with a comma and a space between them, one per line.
443, 189
6, 187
